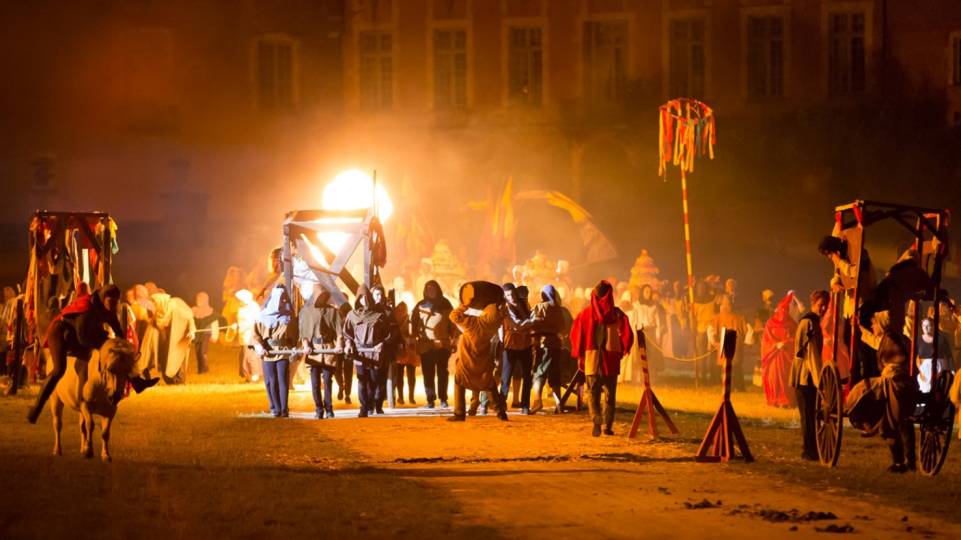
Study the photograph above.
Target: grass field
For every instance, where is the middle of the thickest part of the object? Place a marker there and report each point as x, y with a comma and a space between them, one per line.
202, 461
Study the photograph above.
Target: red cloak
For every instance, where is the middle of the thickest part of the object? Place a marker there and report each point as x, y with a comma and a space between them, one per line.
776, 361
587, 334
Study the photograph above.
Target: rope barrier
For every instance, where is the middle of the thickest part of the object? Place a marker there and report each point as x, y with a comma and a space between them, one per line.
708, 354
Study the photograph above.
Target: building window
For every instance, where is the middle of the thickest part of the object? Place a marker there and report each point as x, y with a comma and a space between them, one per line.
686, 61
447, 10
605, 59
525, 70
275, 75
523, 8
846, 53
375, 11
765, 57
376, 70
955, 67
450, 69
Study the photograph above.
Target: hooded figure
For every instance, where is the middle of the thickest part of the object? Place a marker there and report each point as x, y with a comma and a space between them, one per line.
600, 338
549, 321
434, 334
276, 330
368, 332
474, 366
321, 327
777, 346
175, 320
79, 329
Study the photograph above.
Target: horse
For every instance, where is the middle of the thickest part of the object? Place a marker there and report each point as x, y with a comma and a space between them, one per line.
93, 387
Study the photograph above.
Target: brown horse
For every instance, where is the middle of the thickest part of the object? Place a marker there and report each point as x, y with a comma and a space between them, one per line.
93, 387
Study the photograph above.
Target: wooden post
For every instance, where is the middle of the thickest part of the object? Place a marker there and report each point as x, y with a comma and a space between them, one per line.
649, 402
725, 430
692, 319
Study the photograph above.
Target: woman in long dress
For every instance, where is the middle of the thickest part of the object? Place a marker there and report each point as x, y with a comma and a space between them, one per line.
777, 346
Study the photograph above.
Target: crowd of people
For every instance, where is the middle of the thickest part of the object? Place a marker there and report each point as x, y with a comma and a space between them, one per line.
494, 334
498, 343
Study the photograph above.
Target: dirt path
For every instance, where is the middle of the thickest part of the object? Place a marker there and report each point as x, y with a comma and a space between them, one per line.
201, 462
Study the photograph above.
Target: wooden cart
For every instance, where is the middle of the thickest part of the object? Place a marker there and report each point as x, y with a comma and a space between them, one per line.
934, 413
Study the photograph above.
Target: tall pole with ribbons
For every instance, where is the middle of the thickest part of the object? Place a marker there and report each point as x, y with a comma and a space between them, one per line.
686, 129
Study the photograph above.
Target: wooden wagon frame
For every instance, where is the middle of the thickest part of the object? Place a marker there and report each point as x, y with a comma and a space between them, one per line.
53, 235
935, 412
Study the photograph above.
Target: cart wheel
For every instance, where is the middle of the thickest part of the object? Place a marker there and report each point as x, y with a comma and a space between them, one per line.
937, 425
829, 416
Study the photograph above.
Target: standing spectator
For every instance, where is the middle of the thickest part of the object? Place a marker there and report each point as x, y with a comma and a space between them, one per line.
765, 311
926, 353
405, 357
204, 319
649, 320
251, 366
730, 290
704, 312
549, 320
680, 321
275, 330
600, 338
7, 315
432, 328
518, 354
806, 369
777, 353
727, 318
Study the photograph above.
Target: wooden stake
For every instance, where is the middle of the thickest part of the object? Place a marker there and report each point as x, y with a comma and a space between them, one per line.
725, 430
649, 402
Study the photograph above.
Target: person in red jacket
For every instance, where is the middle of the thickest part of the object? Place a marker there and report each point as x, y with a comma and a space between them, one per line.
600, 338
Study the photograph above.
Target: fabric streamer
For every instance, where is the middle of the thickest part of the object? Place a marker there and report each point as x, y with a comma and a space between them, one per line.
686, 129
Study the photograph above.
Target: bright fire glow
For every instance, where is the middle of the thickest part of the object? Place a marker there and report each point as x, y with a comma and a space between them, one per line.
354, 189
350, 190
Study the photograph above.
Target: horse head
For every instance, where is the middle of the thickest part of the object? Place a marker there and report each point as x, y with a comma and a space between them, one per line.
118, 358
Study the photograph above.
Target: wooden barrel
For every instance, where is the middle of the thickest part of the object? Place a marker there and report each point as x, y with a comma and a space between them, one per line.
480, 294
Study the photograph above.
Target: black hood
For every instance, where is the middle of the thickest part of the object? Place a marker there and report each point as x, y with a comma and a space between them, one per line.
441, 303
